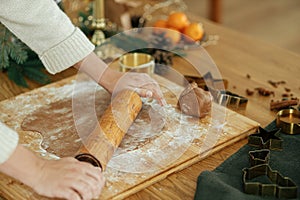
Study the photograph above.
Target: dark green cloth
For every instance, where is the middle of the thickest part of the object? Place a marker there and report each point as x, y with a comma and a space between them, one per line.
226, 183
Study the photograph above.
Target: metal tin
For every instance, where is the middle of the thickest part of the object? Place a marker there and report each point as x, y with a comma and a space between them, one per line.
137, 62
289, 121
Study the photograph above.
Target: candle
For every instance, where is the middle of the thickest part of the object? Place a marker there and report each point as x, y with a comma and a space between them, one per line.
98, 9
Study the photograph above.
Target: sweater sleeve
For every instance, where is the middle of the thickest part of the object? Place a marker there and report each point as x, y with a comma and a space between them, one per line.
46, 30
8, 142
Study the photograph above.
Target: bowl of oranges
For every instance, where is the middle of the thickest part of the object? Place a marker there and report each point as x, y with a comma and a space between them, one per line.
178, 27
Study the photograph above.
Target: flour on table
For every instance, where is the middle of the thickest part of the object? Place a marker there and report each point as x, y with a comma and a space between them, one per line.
158, 137
151, 150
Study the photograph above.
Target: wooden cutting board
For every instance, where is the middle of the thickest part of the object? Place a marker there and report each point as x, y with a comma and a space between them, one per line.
44, 120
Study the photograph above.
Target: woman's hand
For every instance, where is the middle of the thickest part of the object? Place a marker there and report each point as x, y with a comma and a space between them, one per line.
142, 83
65, 178
69, 179
115, 81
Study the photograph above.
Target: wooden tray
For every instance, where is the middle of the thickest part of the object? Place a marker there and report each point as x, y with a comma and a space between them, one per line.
143, 157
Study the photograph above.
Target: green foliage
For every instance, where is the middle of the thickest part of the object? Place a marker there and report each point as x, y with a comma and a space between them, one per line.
127, 43
31, 69
11, 48
19, 61
137, 44
15, 74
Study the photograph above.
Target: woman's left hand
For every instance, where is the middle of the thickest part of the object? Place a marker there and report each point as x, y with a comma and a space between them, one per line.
142, 83
115, 81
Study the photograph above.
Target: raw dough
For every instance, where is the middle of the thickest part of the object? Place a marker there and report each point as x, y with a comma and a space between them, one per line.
55, 123
195, 101
154, 141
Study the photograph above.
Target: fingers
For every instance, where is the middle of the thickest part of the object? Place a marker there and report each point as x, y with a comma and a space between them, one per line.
157, 94
142, 83
91, 182
69, 194
76, 180
82, 188
149, 88
95, 179
147, 93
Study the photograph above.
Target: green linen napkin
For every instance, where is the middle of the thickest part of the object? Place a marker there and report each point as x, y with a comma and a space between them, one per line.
225, 182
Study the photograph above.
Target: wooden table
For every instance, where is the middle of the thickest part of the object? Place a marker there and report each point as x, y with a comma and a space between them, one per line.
236, 55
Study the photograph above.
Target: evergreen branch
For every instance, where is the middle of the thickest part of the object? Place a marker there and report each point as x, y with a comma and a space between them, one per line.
5, 49
33, 61
36, 63
36, 74
18, 52
128, 43
14, 73
4, 62
11, 47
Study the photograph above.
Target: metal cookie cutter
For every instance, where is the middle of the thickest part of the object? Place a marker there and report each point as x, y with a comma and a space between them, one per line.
280, 187
218, 87
266, 139
259, 157
231, 100
289, 121
207, 81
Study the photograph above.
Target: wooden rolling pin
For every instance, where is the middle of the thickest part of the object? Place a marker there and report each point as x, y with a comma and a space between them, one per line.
100, 145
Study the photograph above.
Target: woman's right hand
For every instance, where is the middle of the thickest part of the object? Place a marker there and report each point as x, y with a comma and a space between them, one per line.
65, 178
69, 178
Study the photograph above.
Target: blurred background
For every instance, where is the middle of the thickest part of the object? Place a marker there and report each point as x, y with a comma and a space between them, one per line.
274, 21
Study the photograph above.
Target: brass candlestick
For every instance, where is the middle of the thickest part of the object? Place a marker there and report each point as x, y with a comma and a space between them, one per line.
98, 22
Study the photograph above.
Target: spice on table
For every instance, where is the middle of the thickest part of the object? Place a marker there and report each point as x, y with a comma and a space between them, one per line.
276, 83
264, 92
280, 104
285, 95
249, 92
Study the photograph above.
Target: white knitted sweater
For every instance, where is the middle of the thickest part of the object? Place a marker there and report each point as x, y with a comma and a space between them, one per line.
47, 31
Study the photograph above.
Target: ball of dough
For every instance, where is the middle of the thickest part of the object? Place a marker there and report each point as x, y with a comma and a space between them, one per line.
195, 101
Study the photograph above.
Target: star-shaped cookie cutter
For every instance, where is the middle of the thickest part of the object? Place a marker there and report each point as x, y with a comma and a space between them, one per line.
259, 157
280, 186
266, 139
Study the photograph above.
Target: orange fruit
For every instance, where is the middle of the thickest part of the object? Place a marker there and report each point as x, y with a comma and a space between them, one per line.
160, 23
173, 34
195, 31
177, 20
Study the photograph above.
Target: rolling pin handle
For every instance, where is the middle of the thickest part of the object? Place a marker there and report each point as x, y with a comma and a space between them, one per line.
89, 158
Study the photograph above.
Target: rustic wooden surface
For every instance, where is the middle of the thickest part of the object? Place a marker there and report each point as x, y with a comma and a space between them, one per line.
235, 55
212, 140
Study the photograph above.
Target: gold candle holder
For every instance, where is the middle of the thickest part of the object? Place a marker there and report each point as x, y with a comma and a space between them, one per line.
98, 22
99, 9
